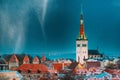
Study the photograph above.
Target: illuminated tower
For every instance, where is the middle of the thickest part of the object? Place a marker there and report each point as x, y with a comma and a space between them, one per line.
81, 43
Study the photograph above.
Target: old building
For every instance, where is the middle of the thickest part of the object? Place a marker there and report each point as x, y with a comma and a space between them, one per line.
13, 62
43, 59
61, 65
36, 60
94, 54
10, 75
82, 52
95, 64
26, 60
77, 68
33, 71
81, 43
3, 64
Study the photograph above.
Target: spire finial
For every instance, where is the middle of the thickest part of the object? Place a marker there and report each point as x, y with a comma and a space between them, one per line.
81, 7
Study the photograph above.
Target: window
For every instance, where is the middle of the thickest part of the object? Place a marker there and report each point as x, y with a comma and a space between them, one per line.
78, 45
84, 45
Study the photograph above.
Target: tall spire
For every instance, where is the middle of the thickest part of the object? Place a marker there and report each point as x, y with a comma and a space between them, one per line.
81, 6
81, 22
82, 33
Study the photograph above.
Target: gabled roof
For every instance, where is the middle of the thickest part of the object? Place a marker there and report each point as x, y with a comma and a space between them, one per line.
93, 52
75, 65
43, 58
36, 59
14, 58
26, 59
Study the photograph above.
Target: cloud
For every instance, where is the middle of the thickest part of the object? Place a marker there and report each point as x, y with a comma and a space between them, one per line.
14, 19
13, 25
40, 6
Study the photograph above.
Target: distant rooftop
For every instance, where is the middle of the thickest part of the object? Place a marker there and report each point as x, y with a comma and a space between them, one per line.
93, 52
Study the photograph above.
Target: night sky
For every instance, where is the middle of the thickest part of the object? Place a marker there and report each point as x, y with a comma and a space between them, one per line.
52, 26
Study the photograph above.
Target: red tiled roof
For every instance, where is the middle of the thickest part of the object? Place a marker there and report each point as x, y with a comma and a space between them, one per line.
93, 64
33, 68
14, 59
58, 66
43, 58
26, 59
113, 71
36, 59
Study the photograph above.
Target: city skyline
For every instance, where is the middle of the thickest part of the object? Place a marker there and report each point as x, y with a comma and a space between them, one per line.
38, 26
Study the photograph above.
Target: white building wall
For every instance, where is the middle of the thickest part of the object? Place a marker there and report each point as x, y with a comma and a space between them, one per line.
81, 51
13, 65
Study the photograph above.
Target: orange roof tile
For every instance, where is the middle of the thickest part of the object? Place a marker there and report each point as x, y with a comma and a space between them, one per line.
33, 68
43, 58
59, 66
14, 59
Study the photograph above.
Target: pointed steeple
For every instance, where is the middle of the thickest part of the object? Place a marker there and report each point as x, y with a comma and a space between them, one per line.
82, 33
26, 60
36, 60
81, 22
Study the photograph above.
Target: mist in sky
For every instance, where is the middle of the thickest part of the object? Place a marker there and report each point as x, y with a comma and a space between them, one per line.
52, 26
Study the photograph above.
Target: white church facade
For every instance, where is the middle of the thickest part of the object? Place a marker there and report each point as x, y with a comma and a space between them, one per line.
81, 43
82, 52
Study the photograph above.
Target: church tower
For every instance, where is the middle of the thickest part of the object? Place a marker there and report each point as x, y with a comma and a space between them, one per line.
81, 43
